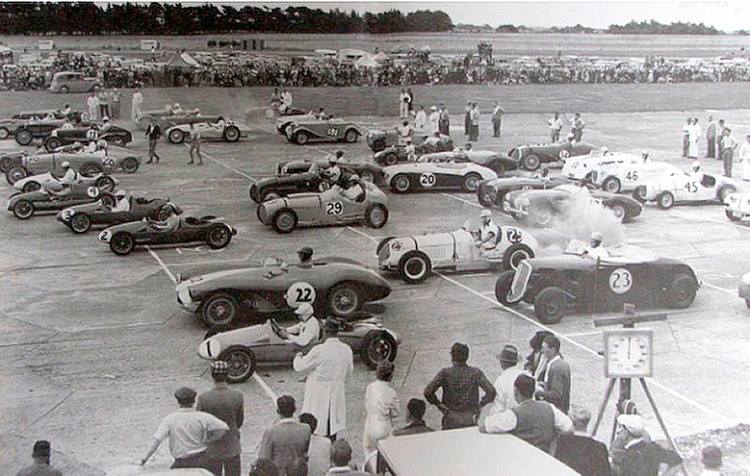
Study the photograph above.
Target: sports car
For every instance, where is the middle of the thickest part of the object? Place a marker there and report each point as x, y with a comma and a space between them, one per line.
557, 284
408, 177
23, 205
27, 132
580, 167
617, 178
542, 207
36, 182
85, 163
495, 161
530, 157
8, 127
284, 121
492, 192
81, 218
397, 153
123, 238
379, 140
737, 206
330, 207
744, 289
166, 119
115, 135
684, 188
244, 349
414, 257
332, 285
328, 130
231, 131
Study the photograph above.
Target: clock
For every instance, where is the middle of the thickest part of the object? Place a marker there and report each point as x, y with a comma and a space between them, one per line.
628, 353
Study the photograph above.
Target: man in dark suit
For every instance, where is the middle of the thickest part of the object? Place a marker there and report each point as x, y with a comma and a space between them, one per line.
287, 441
227, 405
341, 456
153, 133
581, 452
414, 419
555, 381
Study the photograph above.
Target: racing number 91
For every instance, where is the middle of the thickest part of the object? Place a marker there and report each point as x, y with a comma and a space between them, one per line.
691, 187
620, 281
334, 208
332, 131
300, 293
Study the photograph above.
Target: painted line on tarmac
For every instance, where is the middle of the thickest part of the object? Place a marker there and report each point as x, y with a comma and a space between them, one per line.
462, 200
677, 213
209, 157
718, 288
362, 233
269, 391
161, 263
584, 334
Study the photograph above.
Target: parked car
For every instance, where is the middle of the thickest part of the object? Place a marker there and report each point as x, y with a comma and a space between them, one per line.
115, 135
9, 126
580, 167
81, 218
28, 132
166, 118
36, 182
379, 140
412, 176
73, 82
492, 192
530, 157
737, 206
328, 130
85, 163
283, 122
393, 154
684, 188
230, 131
619, 178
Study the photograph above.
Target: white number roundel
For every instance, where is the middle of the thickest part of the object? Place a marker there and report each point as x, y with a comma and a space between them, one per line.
427, 179
620, 281
92, 192
564, 154
300, 293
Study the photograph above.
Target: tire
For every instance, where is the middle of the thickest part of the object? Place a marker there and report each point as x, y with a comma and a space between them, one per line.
270, 196
105, 183
24, 137
301, 138
284, 221
401, 183
80, 223
218, 237
343, 300
241, 362
376, 216
621, 214
122, 243
4, 133
531, 162
732, 216
541, 216
414, 267
231, 134
23, 209
611, 185
378, 346
31, 187
89, 170
550, 305
665, 200
130, 165
724, 191
378, 145
639, 194
681, 293
515, 254
52, 143
390, 159
176, 136
219, 309
502, 287
64, 90
4, 165
484, 199
351, 136
470, 183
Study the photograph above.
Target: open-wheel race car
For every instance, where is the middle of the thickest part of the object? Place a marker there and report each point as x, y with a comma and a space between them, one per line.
425, 176
81, 218
326, 130
685, 188
123, 239
394, 154
334, 286
737, 206
29, 131
114, 135
573, 281
85, 163
415, 257
165, 118
229, 131
530, 157
9, 126
390, 140
25, 204
492, 192
47, 180
331, 207
244, 349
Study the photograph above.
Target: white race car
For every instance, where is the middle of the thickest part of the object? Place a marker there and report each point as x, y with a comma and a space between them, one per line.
47, 181
737, 206
414, 257
231, 131
684, 188
411, 176
579, 167
619, 177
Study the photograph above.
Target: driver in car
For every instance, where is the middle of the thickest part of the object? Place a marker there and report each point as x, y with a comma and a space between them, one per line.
696, 173
306, 331
595, 249
123, 201
488, 232
68, 178
353, 190
170, 223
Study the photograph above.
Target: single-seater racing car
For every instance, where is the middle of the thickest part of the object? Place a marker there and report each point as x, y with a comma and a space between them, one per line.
685, 188
114, 135
24, 205
87, 164
530, 157
9, 126
379, 141
412, 176
224, 130
48, 180
81, 218
326, 130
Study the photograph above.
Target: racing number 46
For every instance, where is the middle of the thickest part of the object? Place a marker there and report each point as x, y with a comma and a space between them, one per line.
632, 175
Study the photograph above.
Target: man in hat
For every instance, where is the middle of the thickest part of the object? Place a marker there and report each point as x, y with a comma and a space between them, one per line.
444, 122
41, 465
287, 441
584, 454
227, 405
595, 249
189, 432
328, 366
305, 255
556, 378
505, 395
304, 332
711, 458
642, 458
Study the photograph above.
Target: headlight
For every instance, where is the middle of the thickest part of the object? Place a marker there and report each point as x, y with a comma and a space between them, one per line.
524, 202
109, 162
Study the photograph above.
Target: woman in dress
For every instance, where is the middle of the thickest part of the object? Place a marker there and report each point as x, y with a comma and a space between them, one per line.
381, 407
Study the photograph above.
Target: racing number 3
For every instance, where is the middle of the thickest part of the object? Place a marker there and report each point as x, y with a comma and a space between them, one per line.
620, 281
334, 208
300, 293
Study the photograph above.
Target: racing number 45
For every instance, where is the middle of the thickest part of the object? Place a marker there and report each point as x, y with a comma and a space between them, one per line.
691, 187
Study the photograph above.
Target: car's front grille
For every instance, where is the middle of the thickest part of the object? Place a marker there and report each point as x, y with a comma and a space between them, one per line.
520, 280
384, 253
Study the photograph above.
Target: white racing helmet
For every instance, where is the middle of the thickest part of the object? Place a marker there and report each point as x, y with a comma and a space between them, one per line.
65, 165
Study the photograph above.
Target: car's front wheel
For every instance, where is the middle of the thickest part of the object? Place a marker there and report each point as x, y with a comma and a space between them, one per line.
52, 143
378, 346
502, 287
31, 186
531, 162
376, 216
80, 223
219, 309
231, 134
343, 300
401, 183
414, 267
541, 215
471, 183
639, 194
24, 137
390, 159
284, 221
733, 216
23, 209
681, 292
15, 174
515, 254
665, 200
301, 138
122, 243
4, 133
130, 165
176, 136
550, 305
105, 183
611, 184
619, 212
378, 145
241, 362
351, 136
219, 237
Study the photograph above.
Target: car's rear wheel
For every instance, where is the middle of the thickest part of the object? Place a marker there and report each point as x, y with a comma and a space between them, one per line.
351, 136
284, 221
80, 223
52, 143
176, 136
550, 305
23, 209
515, 254
401, 183
378, 145
665, 200
241, 362
219, 309
130, 165
122, 243
470, 183
231, 134
219, 237
390, 159
502, 287
376, 216
619, 211
414, 267
612, 184
31, 187
105, 183
343, 300
531, 162
89, 170
4, 133
378, 346
639, 194
301, 138
64, 89
681, 292
733, 216
24, 137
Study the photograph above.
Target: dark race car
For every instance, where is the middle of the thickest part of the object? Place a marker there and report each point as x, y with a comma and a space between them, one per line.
24, 205
166, 119
334, 286
28, 132
398, 153
123, 238
9, 126
115, 135
492, 192
530, 157
327, 130
379, 140
285, 120
574, 281
81, 218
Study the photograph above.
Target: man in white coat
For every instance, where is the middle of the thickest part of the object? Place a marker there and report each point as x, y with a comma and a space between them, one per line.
137, 104
93, 105
745, 158
328, 366
432, 120
694, 137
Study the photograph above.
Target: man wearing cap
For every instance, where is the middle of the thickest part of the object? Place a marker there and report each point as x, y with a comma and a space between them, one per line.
505, 396
287, 441
581, 452
189, 432
305, 255
595, 250
41, 465
489, 232
227, 405
341, 457
304, 332
328, 366
556, 378
642, 458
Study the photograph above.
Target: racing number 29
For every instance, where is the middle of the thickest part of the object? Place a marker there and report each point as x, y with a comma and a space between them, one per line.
334, 208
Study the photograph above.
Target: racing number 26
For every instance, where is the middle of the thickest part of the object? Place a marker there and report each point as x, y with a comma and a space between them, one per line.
334, 208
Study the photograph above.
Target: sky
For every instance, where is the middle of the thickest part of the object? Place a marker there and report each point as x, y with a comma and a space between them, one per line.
727, 16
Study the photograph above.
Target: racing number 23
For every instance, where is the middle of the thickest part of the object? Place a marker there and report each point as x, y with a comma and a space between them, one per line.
334, 208
620, 281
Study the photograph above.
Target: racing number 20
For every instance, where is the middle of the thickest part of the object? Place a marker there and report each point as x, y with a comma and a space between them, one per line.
427, 179
334, 208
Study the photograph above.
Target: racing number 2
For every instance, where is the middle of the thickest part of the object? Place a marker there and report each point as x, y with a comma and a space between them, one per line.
334, 208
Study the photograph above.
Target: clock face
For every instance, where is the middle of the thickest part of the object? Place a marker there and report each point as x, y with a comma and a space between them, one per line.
629, 354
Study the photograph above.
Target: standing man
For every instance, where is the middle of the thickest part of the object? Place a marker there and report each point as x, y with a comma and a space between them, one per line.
584, 454
460, 382
467, 119
286, 99
745, 158
189, 432
328, 365
420, 120
474, 131
195, 145
41, 465
578, 126
433, 121
153, 133
711, 138
719, 137
403, 104
227, 405
555, 127
93, 105
556, 378
695, 137
103, 97
497, 119
505, 394
444, 121
136, 105
410, 93
728, 145
287, 441
114, 103
686, 137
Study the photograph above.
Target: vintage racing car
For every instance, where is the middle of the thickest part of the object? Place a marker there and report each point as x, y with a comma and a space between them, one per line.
617, 178
580, 167
283, 122
379, 141
397, 153
491, 192
26, 133
23, 205
81, 218
328, 130
737, 206
530, 157
231, 131
414, 257
166, 118
411, 176
123, 238
85, 163
8, 127
684, 188
330, 207
115, 135
542, 207
332, 285
744, 289
244, 349
36, 182
557, 284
